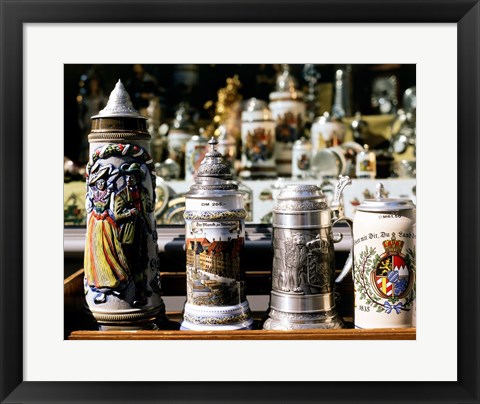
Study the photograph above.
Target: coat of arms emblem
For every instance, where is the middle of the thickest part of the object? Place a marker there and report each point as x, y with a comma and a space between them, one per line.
392, 276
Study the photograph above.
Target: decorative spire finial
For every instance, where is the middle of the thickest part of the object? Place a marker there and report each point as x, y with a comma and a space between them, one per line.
213, 142
119, 104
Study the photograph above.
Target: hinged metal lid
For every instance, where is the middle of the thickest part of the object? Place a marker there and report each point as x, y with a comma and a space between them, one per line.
119, 121
119, 105
383, 204
300, 198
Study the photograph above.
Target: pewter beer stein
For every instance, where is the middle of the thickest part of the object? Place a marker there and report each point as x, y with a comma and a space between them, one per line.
122, 279
303, 272
214, 241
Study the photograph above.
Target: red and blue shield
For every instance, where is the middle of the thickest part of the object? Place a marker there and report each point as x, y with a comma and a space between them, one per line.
392, 277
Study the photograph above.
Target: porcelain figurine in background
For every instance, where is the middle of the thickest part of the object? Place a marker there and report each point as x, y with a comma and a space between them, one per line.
226, 110
122, 280
215, 236
289, 110
303, 272
384, 262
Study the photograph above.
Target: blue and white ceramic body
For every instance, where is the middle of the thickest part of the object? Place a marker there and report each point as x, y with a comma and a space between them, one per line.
122, 280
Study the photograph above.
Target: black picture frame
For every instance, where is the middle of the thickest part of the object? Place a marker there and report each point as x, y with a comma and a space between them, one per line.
465, 13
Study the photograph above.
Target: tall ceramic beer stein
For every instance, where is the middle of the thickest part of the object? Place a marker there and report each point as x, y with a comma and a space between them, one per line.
122, 281
289, 111
215, 236
384, 262
258, 141
303, 272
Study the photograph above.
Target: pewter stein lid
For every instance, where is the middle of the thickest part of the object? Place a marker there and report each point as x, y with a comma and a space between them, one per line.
213, 174
256, 110
119, 105
300, 198
383, 204
119, 120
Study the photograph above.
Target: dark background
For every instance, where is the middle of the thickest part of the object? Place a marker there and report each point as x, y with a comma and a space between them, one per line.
258, 80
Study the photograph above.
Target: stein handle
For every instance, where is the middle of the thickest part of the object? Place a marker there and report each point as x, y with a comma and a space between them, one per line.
349, 263
343, 181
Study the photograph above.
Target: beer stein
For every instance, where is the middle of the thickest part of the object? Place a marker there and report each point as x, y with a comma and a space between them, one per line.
326, 132
303, 271
301, 157
214, 242
384, 262
122, 279
258, 141
195, 150
288, 111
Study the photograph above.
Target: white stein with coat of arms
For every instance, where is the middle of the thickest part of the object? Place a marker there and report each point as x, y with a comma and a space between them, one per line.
384, 233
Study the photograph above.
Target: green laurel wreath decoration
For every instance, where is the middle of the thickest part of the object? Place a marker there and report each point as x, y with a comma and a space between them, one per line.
410, 260
367, 260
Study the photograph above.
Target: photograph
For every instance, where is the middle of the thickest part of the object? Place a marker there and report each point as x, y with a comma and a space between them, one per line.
210, 155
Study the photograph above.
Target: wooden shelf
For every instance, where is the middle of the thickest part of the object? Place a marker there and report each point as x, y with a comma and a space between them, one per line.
79, 326
342, 334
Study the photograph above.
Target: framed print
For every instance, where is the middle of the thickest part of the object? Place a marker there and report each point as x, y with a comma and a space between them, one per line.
39, 366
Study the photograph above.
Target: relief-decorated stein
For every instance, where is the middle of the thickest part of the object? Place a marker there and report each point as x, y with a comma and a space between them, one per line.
303, 295
122, 280
214, 237
384, 262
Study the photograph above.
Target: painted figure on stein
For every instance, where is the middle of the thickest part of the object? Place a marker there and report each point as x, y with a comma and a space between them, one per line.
131, 208
106, 268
